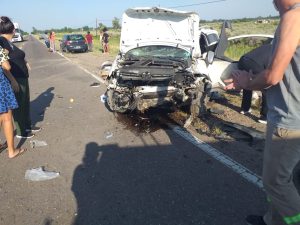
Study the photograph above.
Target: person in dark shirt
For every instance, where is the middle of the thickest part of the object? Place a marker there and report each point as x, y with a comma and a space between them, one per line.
105, 39
19, 69
256, 61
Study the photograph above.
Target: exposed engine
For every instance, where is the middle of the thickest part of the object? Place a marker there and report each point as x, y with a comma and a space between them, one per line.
144, 83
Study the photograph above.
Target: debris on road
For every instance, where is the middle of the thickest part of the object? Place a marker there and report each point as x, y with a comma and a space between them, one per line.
103, 98
95, 84
255, 134
108, 135
39, 174
36, 143
59, 96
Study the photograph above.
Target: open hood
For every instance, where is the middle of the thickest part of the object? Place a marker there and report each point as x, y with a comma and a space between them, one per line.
159, 26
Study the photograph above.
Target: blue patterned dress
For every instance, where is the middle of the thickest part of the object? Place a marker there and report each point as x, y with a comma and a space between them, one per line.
7, 98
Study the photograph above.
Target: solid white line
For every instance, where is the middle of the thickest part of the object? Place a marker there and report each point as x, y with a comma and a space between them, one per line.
219, 156
85, 70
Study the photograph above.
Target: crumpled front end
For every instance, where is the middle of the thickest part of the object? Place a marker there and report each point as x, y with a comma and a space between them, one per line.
149, 83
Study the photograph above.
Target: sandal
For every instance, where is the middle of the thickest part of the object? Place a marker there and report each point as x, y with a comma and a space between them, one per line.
20, 152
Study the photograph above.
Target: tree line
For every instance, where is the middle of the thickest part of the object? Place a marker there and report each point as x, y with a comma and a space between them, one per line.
100, 26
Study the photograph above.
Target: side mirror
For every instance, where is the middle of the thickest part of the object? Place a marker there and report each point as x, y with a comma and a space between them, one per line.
210, 57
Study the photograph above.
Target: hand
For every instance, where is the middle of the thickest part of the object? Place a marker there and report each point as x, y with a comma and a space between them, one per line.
240, 80
28, 66
15, 86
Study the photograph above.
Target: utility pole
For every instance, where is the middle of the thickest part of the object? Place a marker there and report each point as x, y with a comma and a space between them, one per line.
96, 26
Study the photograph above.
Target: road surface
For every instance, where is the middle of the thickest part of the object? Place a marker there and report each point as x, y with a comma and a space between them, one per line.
112, 173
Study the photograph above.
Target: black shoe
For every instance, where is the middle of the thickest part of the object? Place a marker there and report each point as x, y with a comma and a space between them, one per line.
26, 135
33, 129
255, 220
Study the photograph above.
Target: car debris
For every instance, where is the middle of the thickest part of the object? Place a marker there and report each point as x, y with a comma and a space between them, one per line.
95, 84
255, 134
36, 143
103, 98
108, 134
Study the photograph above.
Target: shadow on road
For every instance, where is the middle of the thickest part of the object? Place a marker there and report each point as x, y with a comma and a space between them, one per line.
160, 184
38, 108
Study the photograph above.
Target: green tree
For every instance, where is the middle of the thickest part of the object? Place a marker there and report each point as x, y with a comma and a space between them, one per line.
101, 26
116, 23
86, 28
34, 30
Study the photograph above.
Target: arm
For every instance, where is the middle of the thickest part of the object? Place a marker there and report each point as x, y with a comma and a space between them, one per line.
27, 65
289, 40
6, 68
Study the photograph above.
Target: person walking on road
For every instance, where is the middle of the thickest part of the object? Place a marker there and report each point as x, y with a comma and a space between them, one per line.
19, 70
8, 102
89, 40
282, 149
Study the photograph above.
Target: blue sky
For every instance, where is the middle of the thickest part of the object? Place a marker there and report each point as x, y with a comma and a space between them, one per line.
43, 14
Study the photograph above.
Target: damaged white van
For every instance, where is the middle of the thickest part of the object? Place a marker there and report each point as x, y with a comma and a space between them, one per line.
158, 63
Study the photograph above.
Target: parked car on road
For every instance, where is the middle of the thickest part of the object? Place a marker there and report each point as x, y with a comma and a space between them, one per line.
18, 37
73, 43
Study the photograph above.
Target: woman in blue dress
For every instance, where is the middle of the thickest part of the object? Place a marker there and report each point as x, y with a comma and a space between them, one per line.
7, 104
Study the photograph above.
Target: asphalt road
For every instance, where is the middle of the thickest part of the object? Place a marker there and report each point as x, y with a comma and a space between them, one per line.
111, 173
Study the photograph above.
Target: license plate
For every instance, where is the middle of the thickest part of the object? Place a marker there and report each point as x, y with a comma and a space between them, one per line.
77, 47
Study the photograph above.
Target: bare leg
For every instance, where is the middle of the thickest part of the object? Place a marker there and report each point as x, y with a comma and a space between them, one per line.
8, 129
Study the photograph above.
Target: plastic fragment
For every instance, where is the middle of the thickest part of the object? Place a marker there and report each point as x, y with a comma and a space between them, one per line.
36, 143
39, 174
108, 135
103, 98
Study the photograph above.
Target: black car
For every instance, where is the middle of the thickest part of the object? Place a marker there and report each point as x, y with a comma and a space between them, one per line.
73, 43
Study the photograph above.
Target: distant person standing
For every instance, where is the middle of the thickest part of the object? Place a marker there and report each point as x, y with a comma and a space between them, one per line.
105, 40
46, 38
100, 38
89, 40
52, 41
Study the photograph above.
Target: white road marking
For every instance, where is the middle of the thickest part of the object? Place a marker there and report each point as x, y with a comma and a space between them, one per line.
219, 156
85, 70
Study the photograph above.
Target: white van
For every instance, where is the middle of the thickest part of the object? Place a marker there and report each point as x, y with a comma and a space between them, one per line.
18, 35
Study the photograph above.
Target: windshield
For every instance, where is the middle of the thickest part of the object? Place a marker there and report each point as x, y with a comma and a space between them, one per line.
76, 37
158, 51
